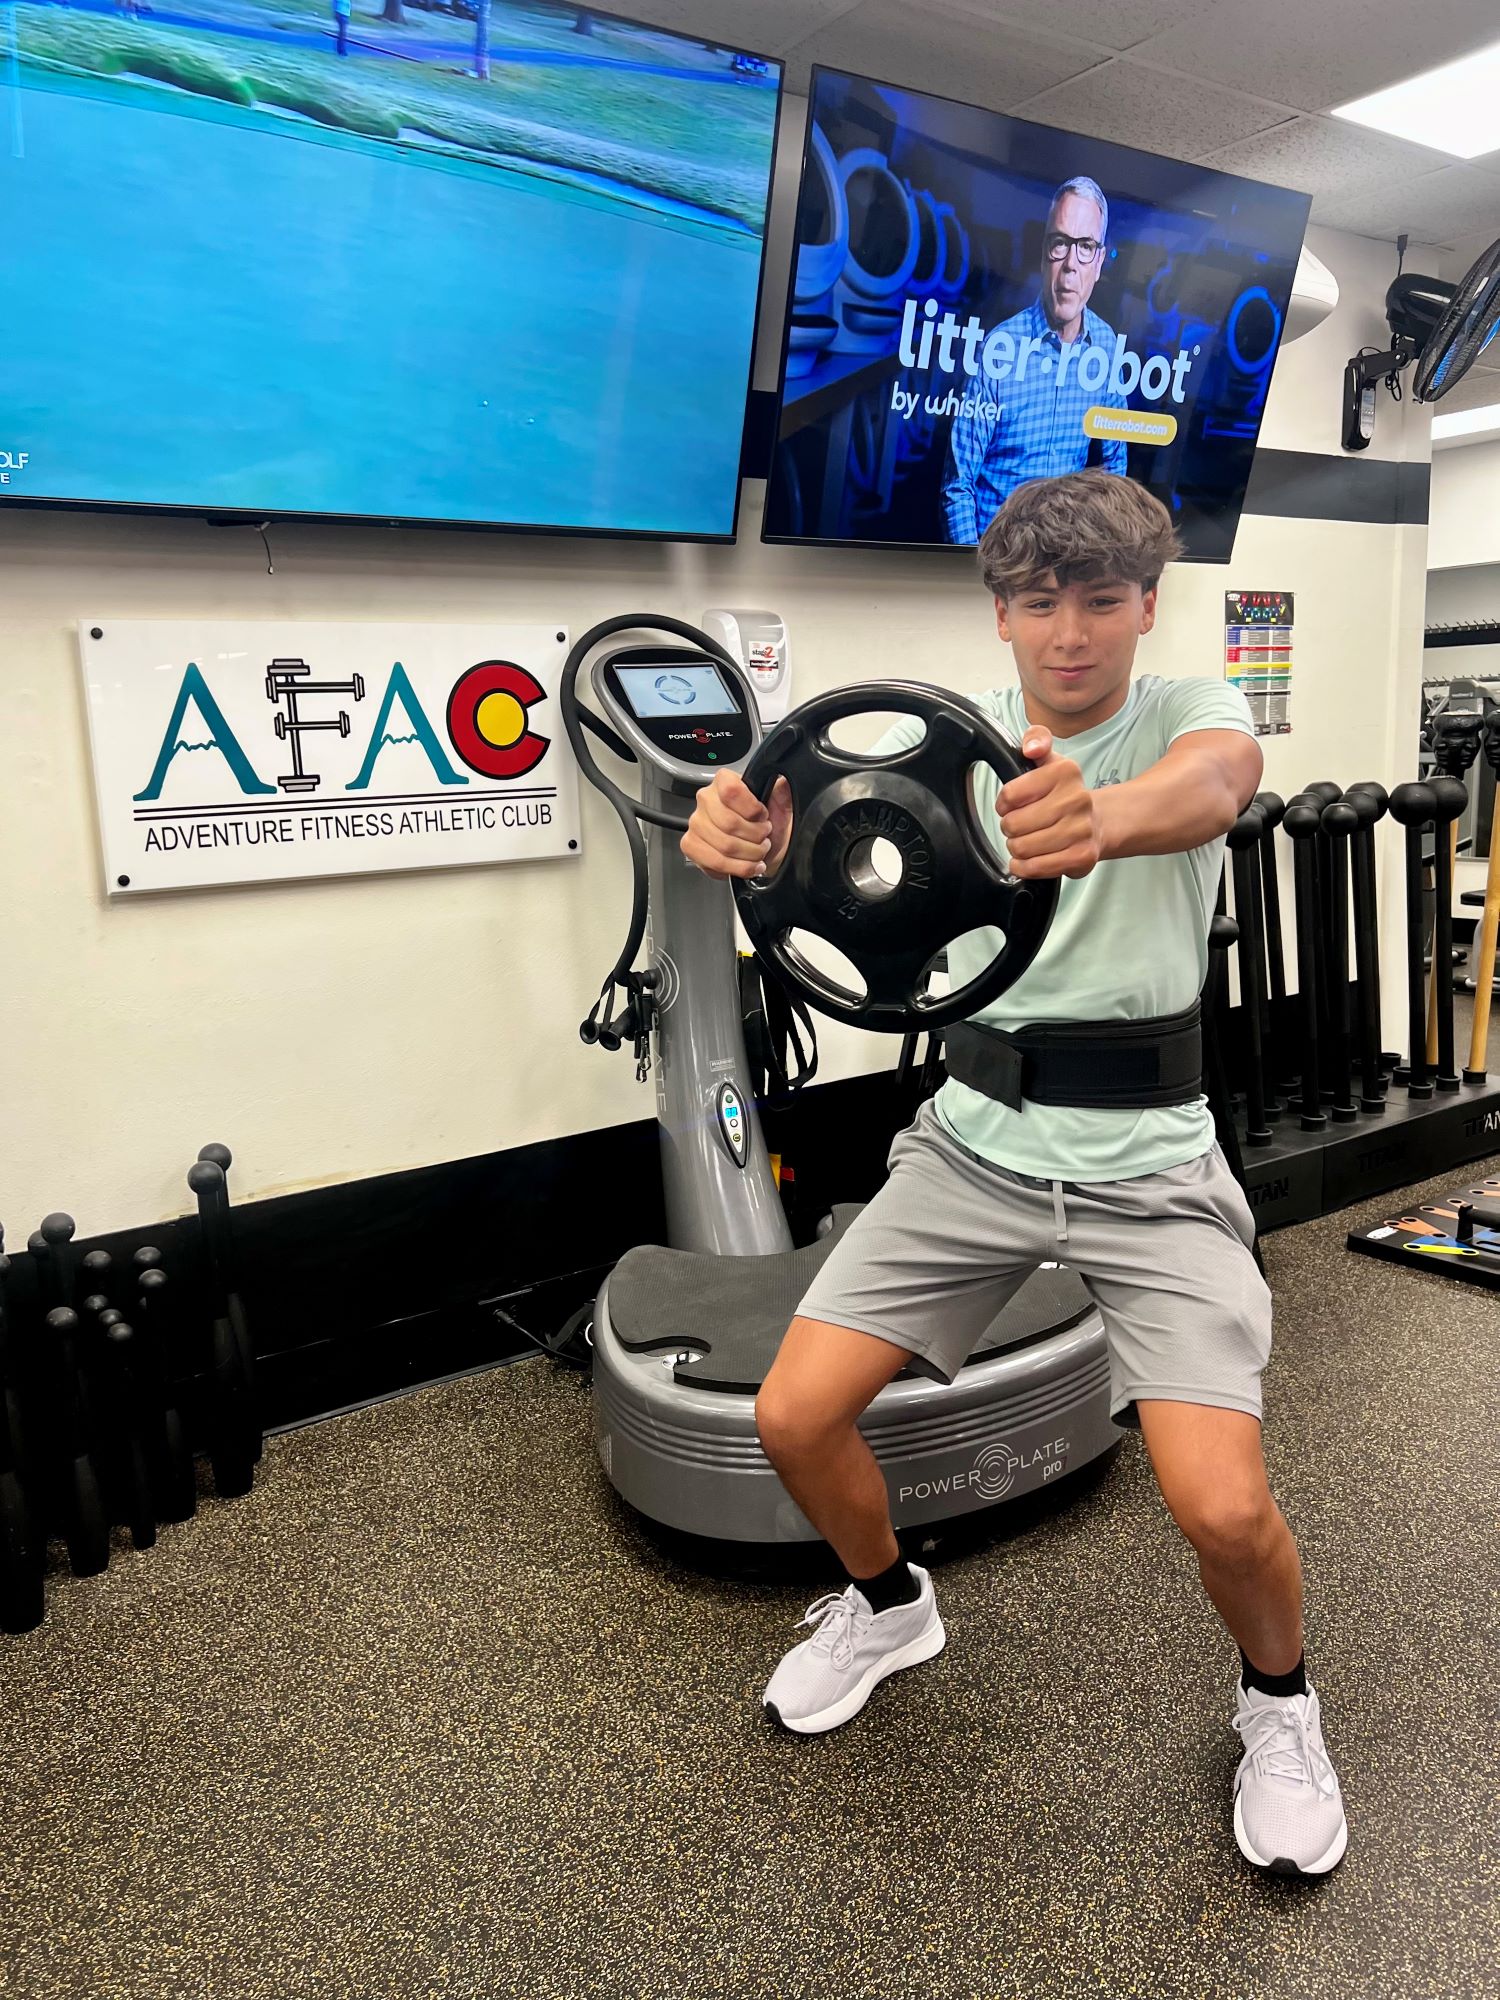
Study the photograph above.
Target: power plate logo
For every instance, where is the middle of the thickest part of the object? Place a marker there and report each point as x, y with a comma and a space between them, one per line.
994, 1471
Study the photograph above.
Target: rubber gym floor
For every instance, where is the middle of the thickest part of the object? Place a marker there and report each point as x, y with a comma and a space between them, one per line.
428, 1717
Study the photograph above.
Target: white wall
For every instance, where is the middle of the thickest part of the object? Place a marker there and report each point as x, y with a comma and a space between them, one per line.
1456, 596
1465, 524
332, 1030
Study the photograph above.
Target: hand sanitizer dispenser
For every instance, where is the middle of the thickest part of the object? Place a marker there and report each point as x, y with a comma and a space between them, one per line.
757, 639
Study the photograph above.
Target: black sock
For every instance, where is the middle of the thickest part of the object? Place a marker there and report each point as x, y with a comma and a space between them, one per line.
893, 1586
1275, 1684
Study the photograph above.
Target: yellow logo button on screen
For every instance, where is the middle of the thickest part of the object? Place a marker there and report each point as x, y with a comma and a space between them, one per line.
1131, 426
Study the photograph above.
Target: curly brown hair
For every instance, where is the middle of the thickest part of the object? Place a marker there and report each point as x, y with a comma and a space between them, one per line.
1085, 527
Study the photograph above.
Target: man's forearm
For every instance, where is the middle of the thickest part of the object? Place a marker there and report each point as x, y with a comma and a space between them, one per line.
1166, 811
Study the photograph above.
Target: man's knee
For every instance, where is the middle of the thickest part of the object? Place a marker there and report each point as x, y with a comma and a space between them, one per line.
1231, 1529
800, 1408
791, 1426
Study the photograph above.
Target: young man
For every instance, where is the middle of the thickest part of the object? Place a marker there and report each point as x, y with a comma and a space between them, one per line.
1132, 789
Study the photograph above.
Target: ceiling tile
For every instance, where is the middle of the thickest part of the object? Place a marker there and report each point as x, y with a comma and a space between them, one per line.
1324, 156
1440, 208
1480, 387
1465, 251
1314, 54
1140, 107
940, 48
1113, 24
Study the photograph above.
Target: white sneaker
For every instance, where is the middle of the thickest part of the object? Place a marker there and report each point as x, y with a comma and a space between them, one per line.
829, 1677
1288, 1809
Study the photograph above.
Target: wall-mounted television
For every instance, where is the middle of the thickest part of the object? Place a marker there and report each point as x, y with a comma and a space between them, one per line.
478, 262
977, 301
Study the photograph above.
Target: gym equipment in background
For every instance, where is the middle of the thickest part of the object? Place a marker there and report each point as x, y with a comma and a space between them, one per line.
1267, 892
1337, 825
173, 1480
1452, 730
1458, 1237
78, 1491
127, 1476
1483, 980
1301, 822
102, 1385
1442, 327
1450, 797
1324, 793
1414, 807
1369, 803
683, 1335
1243, 841
23, 1544
234, 1306
231, 1413
69, 1406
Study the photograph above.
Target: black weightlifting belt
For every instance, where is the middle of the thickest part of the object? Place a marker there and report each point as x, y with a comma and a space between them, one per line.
1084, 1065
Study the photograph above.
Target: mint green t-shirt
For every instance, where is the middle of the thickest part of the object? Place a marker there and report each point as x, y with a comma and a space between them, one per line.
1128, 941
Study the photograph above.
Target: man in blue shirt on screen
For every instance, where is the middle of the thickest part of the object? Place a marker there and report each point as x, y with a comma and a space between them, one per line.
1039, 432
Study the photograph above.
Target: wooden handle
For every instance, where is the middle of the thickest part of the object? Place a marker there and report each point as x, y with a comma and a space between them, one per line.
1484, 967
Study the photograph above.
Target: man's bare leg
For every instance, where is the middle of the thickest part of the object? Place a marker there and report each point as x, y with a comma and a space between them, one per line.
1209, 1467
807, 1415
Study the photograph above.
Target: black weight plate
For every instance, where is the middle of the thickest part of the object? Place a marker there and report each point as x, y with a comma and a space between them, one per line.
952, 879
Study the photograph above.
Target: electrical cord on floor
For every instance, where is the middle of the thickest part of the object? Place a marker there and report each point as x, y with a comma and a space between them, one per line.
573, 1342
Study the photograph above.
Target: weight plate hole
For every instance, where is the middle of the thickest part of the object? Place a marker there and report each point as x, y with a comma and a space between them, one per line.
874, 867
827, 964
857, 735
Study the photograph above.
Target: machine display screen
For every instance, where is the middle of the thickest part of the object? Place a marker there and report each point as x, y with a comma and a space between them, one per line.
978, 301
672, 691
470, 261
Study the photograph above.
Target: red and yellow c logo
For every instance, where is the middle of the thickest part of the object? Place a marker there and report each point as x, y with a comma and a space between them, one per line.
487, 719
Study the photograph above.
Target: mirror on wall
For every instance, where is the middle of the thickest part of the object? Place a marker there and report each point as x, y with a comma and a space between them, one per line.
1452, 696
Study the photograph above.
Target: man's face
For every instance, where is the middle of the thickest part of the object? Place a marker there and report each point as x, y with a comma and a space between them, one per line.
1074, 648
1068, 283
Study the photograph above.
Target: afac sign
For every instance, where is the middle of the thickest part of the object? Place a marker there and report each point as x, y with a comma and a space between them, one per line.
233, 753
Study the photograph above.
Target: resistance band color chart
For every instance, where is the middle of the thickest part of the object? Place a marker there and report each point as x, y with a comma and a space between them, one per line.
1258, 655
1441, 1237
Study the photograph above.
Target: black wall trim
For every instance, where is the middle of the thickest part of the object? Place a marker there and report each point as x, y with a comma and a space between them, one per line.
359, 1291
1315, 486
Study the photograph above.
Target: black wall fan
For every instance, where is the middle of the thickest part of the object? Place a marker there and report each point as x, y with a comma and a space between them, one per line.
1442, 327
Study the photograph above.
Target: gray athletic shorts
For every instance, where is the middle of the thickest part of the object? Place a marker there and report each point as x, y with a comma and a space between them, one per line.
1166, 1258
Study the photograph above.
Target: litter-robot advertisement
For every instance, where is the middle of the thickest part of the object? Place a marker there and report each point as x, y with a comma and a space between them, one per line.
978, 301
